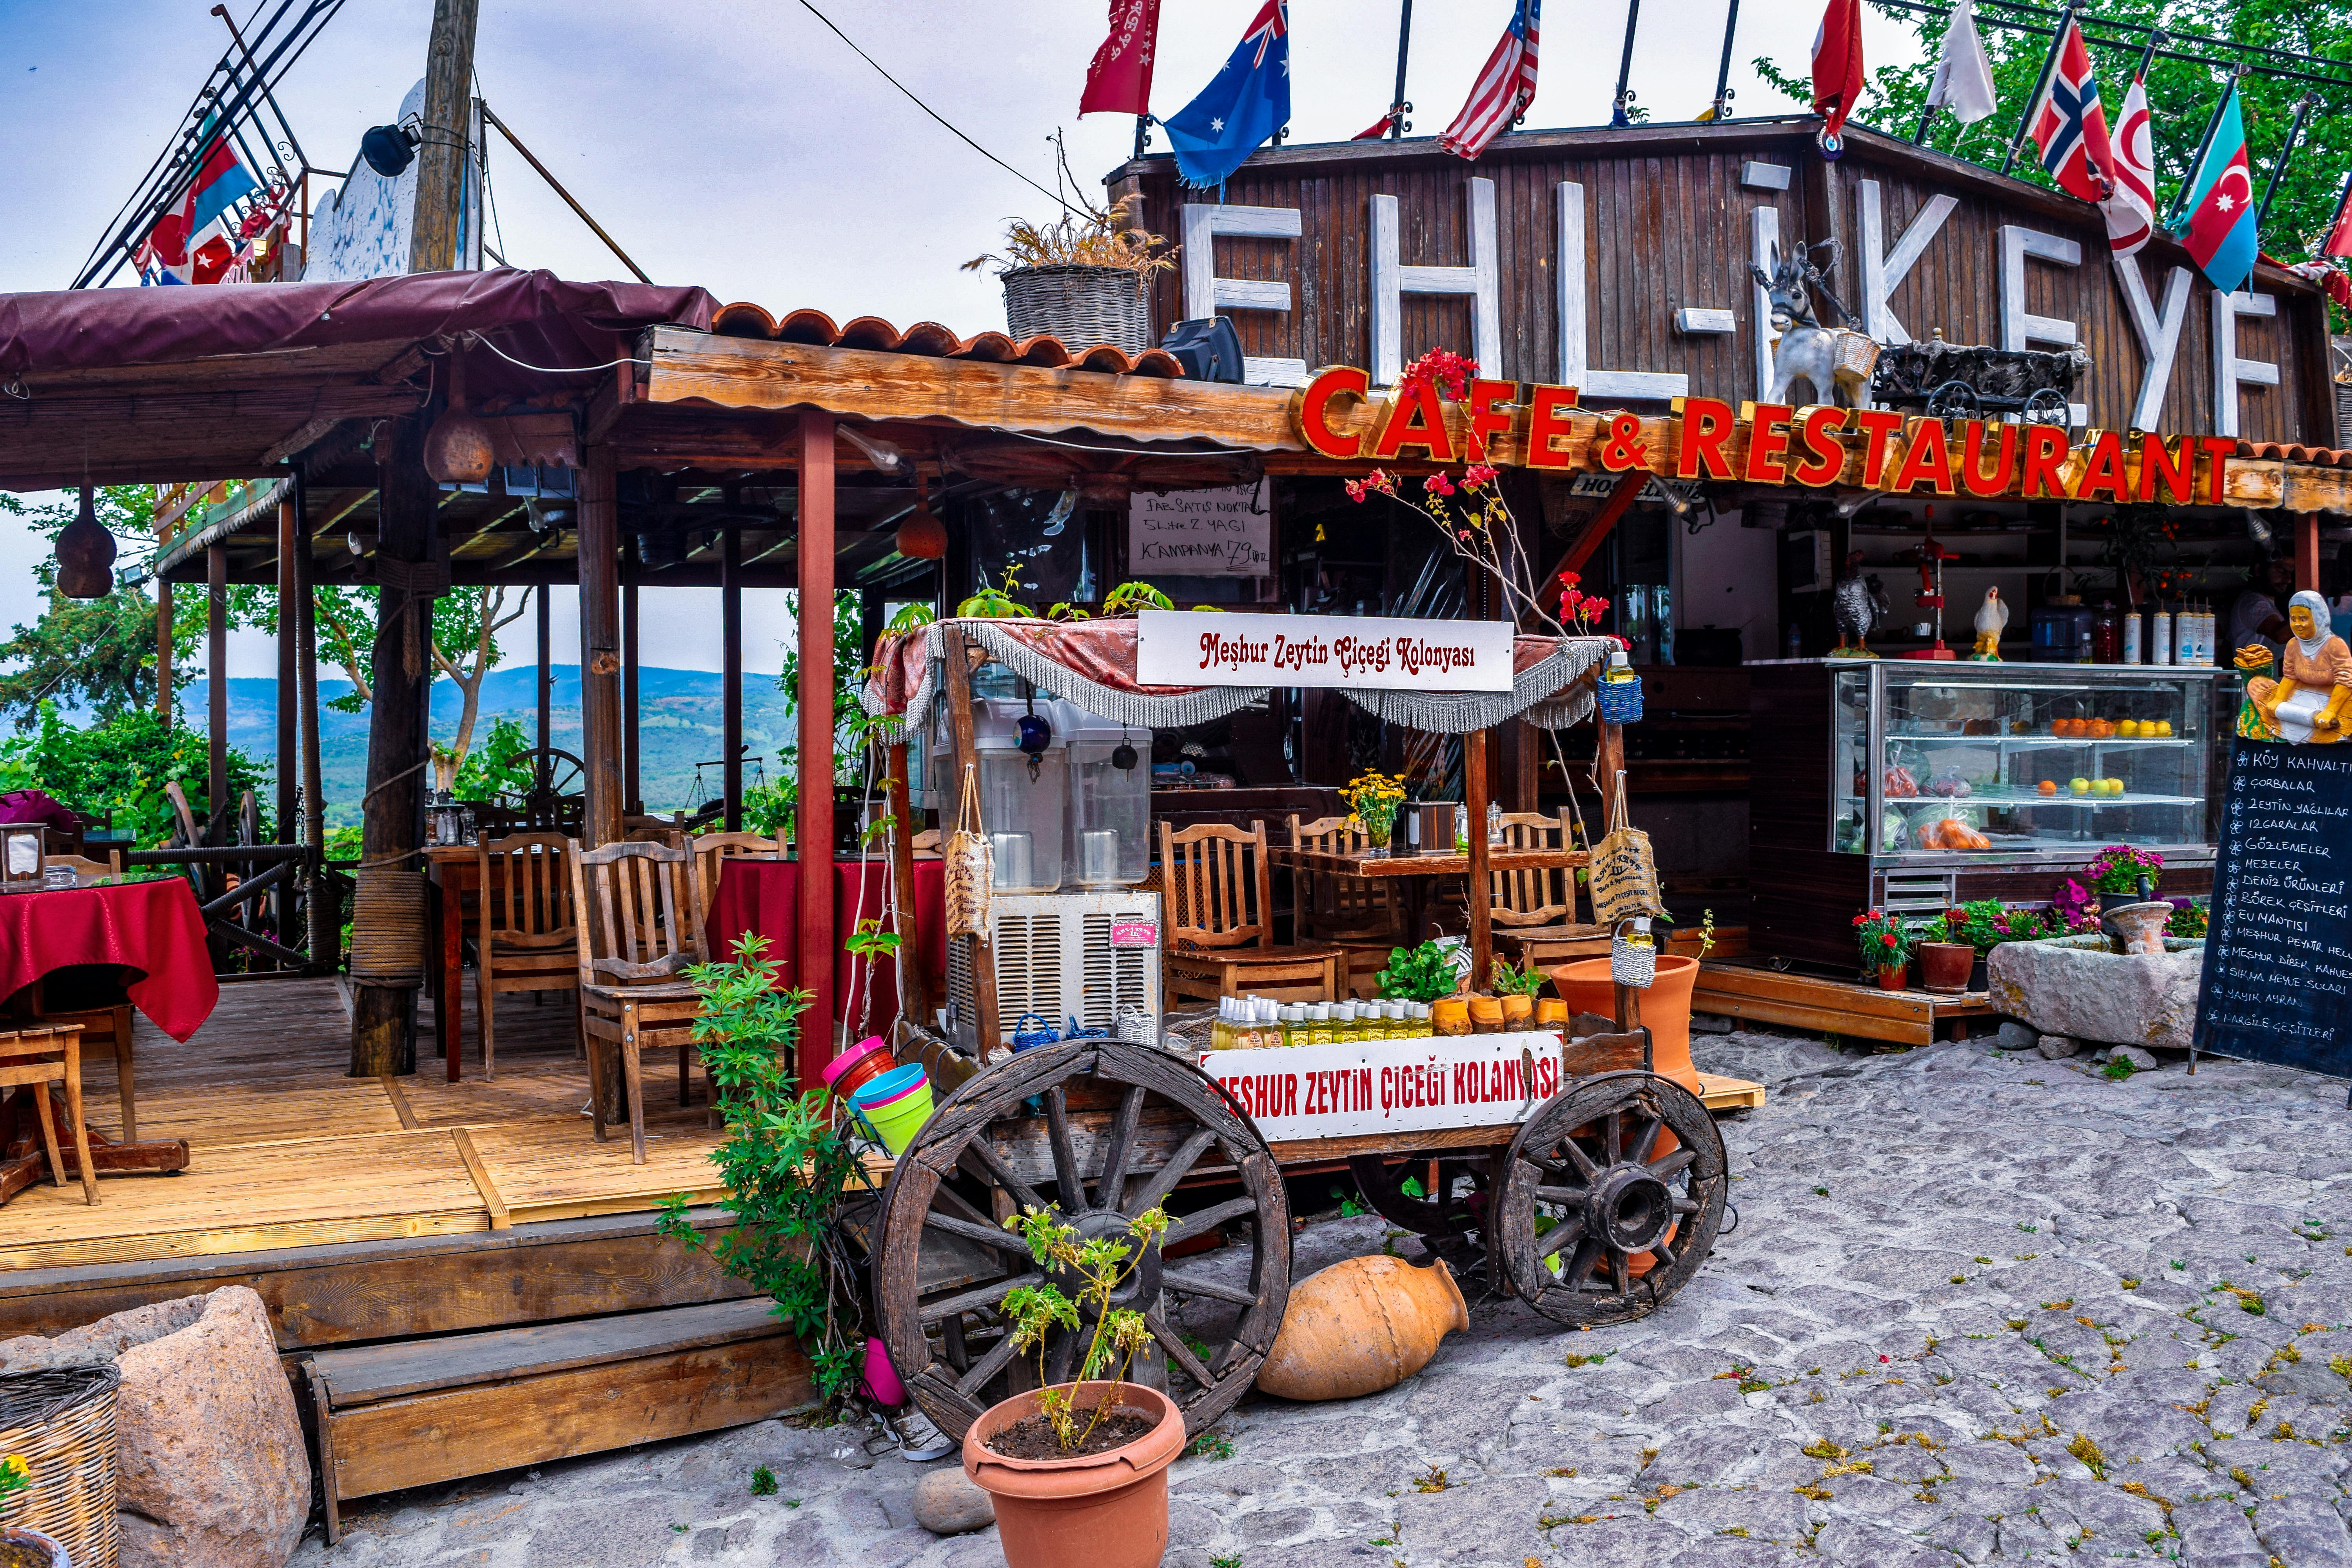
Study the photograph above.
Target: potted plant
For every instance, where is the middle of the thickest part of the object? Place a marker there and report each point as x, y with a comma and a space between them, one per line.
20, 1545
1516, 986
1078, 1470
1374, 799
1885, 943
2117, 872
1084, 279
1946, 955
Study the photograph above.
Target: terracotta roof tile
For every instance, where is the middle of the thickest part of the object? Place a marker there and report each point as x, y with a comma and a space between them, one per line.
935, 341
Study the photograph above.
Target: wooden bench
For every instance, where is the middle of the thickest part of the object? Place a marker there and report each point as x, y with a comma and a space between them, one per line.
421, 1411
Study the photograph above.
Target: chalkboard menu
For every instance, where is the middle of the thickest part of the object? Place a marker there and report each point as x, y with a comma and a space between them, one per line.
2277, 980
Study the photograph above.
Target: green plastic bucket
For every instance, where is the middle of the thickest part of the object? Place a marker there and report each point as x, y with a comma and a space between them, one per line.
897, 1122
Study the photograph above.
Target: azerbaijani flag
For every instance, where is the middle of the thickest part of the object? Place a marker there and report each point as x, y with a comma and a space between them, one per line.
221, 181
2219, 226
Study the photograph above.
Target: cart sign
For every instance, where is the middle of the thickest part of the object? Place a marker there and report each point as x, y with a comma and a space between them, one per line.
1208, 648
1390, 1086
1223, 533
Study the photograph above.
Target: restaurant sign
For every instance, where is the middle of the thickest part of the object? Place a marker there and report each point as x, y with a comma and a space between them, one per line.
1363, 653
1704, 438
1362, 1087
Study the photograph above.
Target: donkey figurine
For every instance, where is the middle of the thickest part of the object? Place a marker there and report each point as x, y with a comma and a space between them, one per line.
1835, 361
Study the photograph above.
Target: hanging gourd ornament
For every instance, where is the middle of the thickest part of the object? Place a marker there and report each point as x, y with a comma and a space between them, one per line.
85, 553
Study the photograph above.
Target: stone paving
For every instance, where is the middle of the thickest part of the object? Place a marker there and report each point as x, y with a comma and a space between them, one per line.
1981, 1307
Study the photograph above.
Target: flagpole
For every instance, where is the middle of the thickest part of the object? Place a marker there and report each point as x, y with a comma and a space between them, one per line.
1618, 118
1142, 133
2293, 135
1397, 105
2197, 163
2041, 85
1723, 71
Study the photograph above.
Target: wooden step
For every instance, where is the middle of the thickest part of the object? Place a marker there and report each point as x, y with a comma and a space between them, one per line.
421, 1411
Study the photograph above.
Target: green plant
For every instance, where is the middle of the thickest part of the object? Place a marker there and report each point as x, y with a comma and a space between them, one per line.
1350, 1205
783, 1160
16, 1475
1097, 1267
996, 604
1230, 1560
2189, 920
498, 769
121, 765
2118, 867
1420, 974
763, 1481
2118, 1068
1705, 933
1986, 923
1521, 980
1884, 941
1129, 597
1212, 1446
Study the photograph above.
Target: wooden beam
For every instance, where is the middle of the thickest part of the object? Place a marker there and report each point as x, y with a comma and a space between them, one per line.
817, 936
289, 634
1475, 795
730, 677
164, 651
2307, 552
631, 784
600, 638
320, 903
216, 684
914, 985
1596, 527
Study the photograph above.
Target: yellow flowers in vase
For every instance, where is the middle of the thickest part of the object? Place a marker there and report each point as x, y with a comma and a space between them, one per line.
1374, 799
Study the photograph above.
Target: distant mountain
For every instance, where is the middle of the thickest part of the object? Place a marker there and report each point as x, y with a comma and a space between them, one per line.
679, 726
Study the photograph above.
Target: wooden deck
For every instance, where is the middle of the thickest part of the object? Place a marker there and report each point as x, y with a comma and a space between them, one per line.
1801, 998
285, 1152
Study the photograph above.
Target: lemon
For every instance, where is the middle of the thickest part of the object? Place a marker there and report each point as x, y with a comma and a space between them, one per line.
2128, 729
2164, 728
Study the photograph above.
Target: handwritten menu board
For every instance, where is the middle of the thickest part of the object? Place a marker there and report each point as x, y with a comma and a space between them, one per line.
1200, 533
2278, 959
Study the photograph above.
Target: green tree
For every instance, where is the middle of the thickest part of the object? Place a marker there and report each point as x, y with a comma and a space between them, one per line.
2181, 93
848, 678
121, 765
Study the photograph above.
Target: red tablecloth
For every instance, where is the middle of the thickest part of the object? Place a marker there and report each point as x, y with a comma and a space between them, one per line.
762, 896
151, 927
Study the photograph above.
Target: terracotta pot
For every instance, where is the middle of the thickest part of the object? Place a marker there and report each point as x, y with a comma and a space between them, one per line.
1665, 1007
1894, 977
1550, 1012
2142, 926
1361, 1326
1519, 1013
1450, 1014
1944, 965
1486, 1015
23, 1548
1102, 1510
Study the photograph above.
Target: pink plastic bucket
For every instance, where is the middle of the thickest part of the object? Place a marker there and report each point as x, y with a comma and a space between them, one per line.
841, 1063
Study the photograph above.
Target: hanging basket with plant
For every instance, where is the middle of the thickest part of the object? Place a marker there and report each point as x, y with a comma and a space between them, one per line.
1085, 279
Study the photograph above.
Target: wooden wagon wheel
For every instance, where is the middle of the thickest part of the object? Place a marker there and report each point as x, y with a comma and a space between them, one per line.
1609, 1199
1444, 1217
1116, 1127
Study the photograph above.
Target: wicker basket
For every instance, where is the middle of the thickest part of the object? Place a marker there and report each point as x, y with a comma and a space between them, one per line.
1083, 306
62, 1422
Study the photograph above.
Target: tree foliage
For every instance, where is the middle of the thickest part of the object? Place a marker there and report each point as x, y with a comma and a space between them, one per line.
121, 765
2181, 94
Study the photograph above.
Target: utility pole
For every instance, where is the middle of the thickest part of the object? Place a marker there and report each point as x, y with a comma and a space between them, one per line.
441, 157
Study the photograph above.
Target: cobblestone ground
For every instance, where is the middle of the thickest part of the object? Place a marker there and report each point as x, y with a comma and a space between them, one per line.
1980, 1308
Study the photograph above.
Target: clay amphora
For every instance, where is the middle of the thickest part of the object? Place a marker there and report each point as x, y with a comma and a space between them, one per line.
1361, 1326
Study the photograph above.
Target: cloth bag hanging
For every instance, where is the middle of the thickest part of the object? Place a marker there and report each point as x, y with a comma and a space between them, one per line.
1625, 876
971, 865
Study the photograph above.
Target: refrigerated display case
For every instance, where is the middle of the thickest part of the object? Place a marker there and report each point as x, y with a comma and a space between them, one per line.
1913, 785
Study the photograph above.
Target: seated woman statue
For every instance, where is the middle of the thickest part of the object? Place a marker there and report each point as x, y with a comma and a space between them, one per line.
2308, 702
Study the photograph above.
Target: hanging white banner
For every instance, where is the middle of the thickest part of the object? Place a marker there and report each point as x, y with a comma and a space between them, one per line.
1209, 647
1390, 1086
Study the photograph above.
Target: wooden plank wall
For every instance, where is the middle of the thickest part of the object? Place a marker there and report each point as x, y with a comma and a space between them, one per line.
1667, 226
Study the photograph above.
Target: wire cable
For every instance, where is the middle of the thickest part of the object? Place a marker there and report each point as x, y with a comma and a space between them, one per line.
934, 113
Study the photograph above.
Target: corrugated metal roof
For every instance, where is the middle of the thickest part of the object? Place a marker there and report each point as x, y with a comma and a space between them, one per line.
935, 341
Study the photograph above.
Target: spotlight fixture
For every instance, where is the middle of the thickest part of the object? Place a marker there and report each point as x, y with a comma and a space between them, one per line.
389, 149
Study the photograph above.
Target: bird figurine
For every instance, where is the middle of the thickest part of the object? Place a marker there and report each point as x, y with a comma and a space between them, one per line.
1857, 609
1992, 619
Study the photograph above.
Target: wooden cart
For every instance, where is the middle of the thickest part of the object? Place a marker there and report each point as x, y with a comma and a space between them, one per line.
1593, 1206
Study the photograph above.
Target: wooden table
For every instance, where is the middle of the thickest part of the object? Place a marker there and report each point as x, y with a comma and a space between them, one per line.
457, 878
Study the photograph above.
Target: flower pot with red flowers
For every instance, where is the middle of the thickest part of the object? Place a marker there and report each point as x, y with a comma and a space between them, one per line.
2122, 875
1885, 943
1078, 1470
1946, 955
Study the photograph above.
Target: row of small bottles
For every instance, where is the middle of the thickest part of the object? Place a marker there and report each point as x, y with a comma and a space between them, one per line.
1248, 1023
2183, 638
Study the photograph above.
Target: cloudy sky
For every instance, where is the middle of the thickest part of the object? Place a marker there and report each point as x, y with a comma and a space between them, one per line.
743, 147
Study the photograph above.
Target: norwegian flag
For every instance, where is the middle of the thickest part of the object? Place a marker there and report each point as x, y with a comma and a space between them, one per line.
2070, 127
1503, 89
2130, 211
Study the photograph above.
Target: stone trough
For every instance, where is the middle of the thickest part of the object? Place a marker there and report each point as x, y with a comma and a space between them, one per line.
2082, 987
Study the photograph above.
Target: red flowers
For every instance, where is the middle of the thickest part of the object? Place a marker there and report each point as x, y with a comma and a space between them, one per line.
1438, 485
1577, 608
1885, 939
1449, 370
1379, 481
1478, 476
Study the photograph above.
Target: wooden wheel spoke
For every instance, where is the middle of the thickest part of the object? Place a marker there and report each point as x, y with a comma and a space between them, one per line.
1066, 1182
1580, 1160
1684, 1205
1110, 1190
1663, 1247
1581, 1264
999, 1355
1620, 1271
1573, 1198
1185, 1284
1547, 1246
991, 1169
1178, 1350
1646, 1144
987, 1295
1179, 1165
1207, 1219
1673, 1164
1612, 1138
985, 1235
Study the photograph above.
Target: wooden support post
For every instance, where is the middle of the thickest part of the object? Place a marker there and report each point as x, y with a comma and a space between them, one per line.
966, 758
631, 779
730, 677
546, 671
817, 936
326, 925
599, 640
1610, 763
1482, 922
2307, 552
164, 651
383, 994
216, 799
289, 630
914, 985
1596, 528
448, 117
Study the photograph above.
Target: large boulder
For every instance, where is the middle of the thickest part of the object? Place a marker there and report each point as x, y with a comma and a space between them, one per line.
2081, 987
213, 1469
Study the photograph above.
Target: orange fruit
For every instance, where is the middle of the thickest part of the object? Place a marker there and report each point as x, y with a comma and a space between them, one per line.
2102, 728
2048, 786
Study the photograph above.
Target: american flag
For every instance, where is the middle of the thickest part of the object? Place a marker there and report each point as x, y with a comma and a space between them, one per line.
1504, 90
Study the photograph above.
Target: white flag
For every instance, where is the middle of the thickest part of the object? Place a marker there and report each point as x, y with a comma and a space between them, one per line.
1963, 78
2131, 211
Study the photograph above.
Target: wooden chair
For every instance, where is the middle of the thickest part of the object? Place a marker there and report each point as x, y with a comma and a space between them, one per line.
926, 845
1356, 914
37, 1058
711, 853
105, 1029
1533, 911
528, 938
1218, 901
639, 910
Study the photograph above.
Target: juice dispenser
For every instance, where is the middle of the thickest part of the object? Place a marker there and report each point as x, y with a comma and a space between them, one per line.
1108, 840
1024, 789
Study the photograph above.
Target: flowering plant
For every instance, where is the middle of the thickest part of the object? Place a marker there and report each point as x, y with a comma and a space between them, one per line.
1985, 923
2074, 908
16, 1475
2190, 919
2118, 867
1374, 798
1581, 610
1884, 941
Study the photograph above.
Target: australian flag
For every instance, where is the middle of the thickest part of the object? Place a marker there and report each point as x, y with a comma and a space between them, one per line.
1243, 104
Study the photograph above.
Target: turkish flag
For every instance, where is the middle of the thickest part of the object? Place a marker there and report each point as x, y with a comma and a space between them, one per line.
1118, 80
1837, 63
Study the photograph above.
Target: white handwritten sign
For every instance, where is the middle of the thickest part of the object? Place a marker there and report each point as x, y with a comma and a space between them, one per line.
1200, 533
1390, 1086
1210, 647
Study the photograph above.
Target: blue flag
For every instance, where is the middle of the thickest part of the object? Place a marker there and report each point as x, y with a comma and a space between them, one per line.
2219, 226
1243, 104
